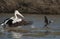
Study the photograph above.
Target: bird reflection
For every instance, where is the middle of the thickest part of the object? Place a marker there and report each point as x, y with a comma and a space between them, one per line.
16, 35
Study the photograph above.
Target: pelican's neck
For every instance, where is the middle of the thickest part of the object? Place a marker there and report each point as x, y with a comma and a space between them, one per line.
17, 12
16, 16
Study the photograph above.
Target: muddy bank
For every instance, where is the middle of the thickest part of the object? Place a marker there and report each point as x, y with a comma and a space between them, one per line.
30, 6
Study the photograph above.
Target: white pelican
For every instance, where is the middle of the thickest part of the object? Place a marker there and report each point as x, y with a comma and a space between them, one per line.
16, 20
17, 17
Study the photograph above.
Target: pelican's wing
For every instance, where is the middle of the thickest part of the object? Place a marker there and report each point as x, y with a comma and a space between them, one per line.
4, 22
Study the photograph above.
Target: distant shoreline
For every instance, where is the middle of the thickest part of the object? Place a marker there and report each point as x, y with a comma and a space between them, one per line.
36, 13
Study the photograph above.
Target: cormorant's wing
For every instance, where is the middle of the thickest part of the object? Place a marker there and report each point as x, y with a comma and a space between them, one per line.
46, 20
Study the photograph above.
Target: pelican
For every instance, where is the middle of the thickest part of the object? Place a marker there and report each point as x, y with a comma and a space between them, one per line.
47, 22
17, 20
18, 17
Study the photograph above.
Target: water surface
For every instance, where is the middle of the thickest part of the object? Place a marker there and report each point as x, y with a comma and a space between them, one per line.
37, 32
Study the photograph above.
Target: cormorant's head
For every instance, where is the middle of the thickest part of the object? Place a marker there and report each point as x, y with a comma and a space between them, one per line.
51, 21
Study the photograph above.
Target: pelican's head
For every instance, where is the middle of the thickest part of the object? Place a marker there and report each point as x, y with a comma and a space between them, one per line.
18, 15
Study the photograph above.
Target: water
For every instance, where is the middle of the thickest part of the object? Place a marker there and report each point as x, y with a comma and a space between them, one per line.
37, 32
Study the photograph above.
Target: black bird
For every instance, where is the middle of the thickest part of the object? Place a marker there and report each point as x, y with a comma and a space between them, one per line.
47, 22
